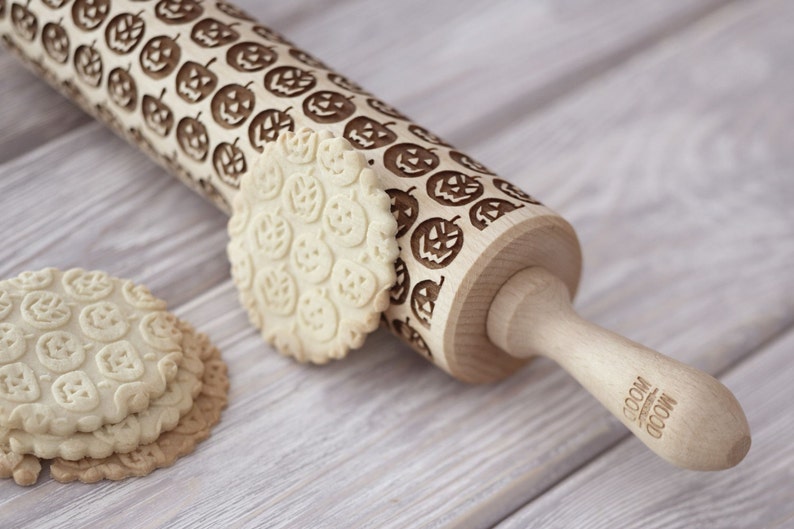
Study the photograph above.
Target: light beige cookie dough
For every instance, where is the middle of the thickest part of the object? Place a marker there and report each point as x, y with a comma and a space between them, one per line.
81, 349
312, 246
136, 429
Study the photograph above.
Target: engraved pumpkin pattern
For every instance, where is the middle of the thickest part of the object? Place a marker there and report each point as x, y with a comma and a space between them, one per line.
425, 135
24, 22
250, 57
120, 361
88, 64
18, 383
383, 108
345, 83
423, 300
103, 321
267, 126
33, 280
45, 310
405, 208
195, 81
405, 331
160, 56
229, 163
307, 59
157, 116
409, 160
55, 4
60, 351
56, 42
288, 81
303, 197
366, 133
122, 89
12, 343
232, 105
272, 235
327, 106
514, 192
269, 34
469, 163
436, 242
311, 257
90, 14
193, 139
124, 32
276, 290
352, 283
317, 315
399, 291
212, 33
345, 221
233, 11
178, 11
484, 212
451, 188
87, 285
6, 305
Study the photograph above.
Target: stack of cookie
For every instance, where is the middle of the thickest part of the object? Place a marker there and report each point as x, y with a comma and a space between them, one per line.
96, 375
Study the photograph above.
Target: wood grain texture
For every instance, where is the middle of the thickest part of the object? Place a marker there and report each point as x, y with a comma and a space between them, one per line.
643, 492
675, 169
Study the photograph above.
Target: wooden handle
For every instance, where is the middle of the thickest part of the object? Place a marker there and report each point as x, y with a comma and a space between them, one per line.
684, 415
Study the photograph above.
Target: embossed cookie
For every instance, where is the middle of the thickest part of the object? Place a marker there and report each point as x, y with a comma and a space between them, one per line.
312, 246
136, 429
191, 430
81, 349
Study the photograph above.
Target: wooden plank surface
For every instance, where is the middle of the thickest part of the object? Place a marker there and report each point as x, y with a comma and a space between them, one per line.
651, 164
642, 491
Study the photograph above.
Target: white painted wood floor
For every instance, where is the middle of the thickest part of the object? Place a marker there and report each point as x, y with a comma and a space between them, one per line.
661, 130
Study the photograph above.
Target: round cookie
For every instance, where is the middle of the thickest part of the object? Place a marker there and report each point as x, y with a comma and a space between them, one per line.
81, 349
136, 429
312, 246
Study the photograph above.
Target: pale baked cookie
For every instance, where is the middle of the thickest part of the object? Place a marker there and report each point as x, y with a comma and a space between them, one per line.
136, 429
192, 429
81, 349
312, 246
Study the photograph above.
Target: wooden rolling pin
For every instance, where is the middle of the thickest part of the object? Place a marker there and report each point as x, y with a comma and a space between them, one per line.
485, 273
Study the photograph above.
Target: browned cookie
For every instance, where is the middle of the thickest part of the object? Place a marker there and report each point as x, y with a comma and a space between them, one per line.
23, 468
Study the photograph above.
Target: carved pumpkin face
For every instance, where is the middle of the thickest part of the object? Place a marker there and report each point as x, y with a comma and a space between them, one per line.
124, 32
157, 115
366, 133
306, 59
345, 221
56, 42
303, 197
425, 135
451, 188
484, 212
267, 126
399, 292
269, 34
211, 33
423, 300
160, 56
250, 57
412, 336
289, 81
232, 105
24, 21
514, 192
409, 160
468, 163
178, 11
272, 234
122, 89
191, 135
233, 11
194, 82
276, 290
353, 284
90, 14
405, 209
311, 258
317, 316
383, 108
88, 64
346, 84
326, 106
229, 163
436, 242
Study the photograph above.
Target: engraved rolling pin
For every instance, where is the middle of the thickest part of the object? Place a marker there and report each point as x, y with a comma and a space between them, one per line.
485, 273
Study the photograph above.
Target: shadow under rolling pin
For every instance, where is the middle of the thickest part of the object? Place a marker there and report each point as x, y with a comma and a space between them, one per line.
202, 88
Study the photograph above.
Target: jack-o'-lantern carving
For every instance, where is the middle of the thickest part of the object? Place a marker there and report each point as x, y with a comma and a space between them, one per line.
88, 64
405, 209
514, 192
250, 57
233, 11
269, 34
307, 59
352, 283
56, 42
383, 108
160, 57
303, 197
157, 116
122, 89
366, 133
317, 315
410, 160
423, 300
452, 188
484, 212
90, 14
469, 163
345, 221
276, 290
24, 22
405, 331
212, 33
267, 125
195, 81
436, 242
192, 137
232, 105
346, 84
229, 163
327, 106
399, 291
289, 81
124, 32
178, 11
425, 135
